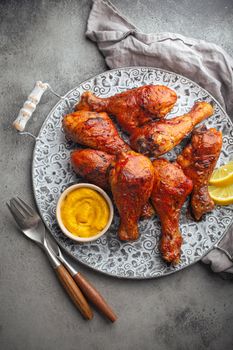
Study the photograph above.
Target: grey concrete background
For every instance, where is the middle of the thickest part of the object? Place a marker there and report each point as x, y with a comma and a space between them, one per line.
192, 309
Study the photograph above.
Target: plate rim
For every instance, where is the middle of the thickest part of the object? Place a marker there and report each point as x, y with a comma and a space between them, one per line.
34, 190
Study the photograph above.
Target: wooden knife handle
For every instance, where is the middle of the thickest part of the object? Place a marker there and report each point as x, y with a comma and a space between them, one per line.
74, 292
94, 296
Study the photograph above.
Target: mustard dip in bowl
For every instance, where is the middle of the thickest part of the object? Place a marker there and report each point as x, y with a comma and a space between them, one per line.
84, 212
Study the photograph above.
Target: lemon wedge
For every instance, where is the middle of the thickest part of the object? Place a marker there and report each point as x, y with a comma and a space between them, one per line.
222, 195
222, 176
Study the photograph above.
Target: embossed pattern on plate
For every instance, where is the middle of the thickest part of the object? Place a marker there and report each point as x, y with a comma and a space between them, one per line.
52, 173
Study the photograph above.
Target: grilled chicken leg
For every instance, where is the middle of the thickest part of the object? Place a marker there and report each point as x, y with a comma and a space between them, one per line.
94, 166
131, 179
95, 130
159, 137
134, 107
170, 190
198, 161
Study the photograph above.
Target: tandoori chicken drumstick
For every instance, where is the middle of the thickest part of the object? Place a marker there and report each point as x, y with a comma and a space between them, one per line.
170, 190
134, 107
131, 179
198, 161
94, 166
95, 130
159, 137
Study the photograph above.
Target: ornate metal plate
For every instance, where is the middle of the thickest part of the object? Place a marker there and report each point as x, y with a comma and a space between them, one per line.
52, 173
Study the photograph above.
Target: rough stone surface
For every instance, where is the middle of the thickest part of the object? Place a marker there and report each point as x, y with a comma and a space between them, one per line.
188, 310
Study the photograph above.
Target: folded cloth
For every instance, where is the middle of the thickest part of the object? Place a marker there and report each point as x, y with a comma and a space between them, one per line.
221, 257
123, 45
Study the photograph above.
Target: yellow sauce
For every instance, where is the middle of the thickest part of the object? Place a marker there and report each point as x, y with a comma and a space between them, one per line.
84, 212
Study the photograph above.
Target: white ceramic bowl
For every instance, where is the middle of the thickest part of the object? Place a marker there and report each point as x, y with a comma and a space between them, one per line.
59, 219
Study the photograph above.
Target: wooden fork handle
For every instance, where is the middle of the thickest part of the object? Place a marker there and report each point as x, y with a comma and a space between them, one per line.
74, 292
94, 296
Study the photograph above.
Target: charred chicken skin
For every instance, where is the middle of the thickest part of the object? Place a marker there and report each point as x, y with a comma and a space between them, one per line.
147, 211
198, 161
94, 166
131, 180
134, 107
159, 137
95, 130
170, 190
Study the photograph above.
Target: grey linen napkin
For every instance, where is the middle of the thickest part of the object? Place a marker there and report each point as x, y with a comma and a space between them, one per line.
123, 45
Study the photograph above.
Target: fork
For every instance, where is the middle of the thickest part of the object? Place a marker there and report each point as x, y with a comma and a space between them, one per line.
32, 226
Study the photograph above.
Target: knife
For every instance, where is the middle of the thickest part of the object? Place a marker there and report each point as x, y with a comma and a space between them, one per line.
86, 287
